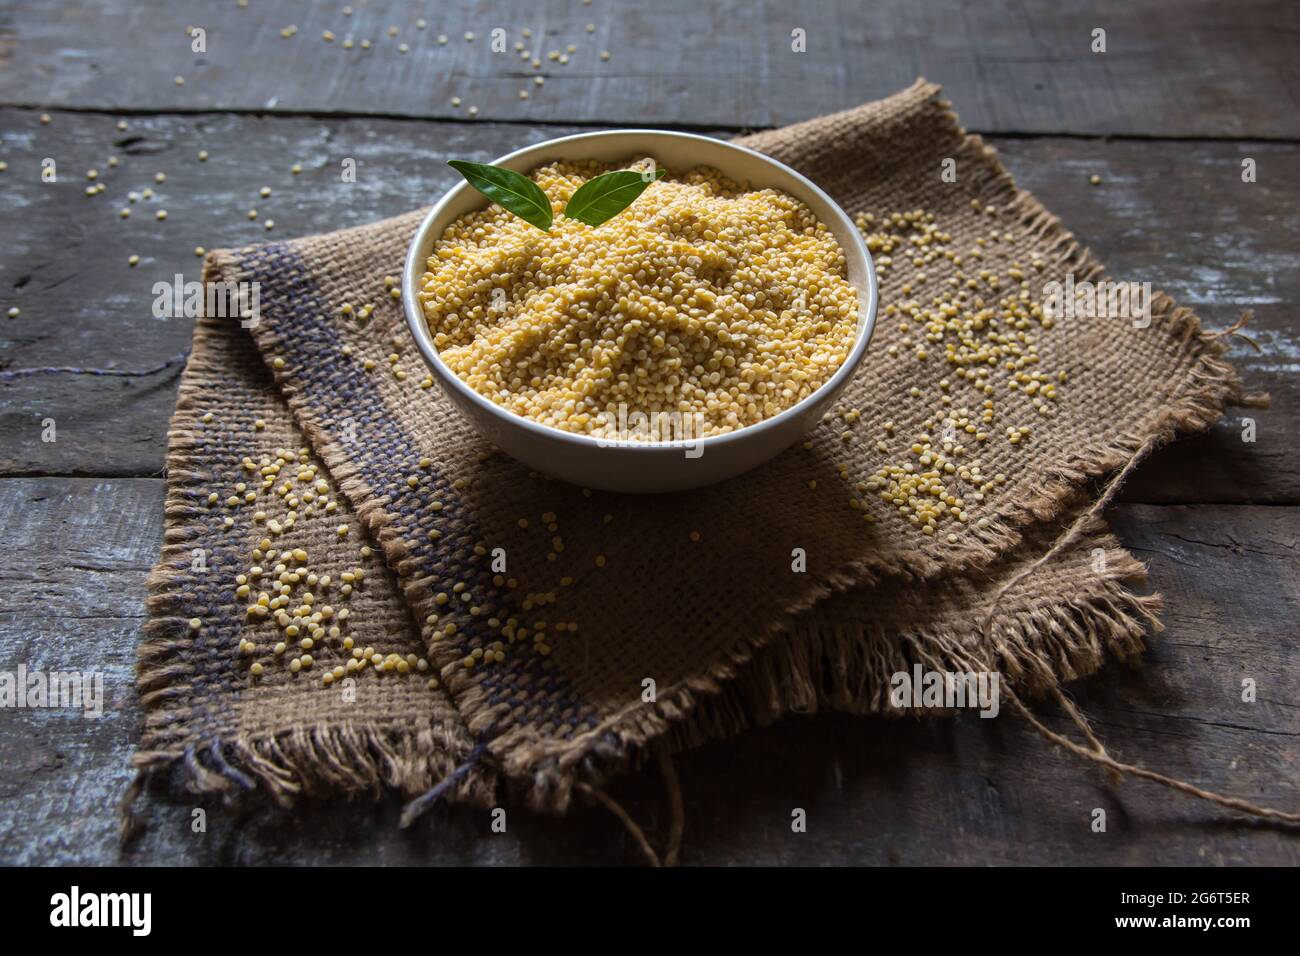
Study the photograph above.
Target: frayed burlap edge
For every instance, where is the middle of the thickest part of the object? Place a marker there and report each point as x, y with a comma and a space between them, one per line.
1210, 386
348, 759
815, 665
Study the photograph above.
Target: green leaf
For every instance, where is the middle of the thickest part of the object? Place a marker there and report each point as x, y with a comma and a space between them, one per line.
605, 196
508, 189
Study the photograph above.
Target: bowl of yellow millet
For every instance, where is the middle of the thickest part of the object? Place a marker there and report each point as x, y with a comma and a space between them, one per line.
693, 336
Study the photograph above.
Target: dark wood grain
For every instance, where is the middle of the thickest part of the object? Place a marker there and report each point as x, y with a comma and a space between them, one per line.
1193, 68
1174, 214
66, 262
876, 791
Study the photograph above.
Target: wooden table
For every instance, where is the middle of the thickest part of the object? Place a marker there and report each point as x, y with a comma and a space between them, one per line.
1183, 94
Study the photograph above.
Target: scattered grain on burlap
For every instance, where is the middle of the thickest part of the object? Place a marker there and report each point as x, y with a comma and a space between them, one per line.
202, 708
542, 668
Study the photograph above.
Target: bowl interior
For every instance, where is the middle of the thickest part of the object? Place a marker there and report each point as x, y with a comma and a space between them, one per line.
678, 152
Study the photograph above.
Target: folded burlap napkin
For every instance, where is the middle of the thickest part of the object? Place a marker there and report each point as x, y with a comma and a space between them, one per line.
624, 624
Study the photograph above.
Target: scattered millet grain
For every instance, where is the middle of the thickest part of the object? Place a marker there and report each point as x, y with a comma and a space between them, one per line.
984, 323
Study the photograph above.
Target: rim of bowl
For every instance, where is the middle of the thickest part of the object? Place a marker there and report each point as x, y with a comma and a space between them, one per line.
416, 265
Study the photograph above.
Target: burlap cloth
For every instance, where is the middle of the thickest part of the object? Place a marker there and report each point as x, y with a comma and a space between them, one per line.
730, 634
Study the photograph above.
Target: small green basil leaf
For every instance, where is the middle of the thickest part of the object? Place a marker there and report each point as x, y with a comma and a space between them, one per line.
509, 189
605, 196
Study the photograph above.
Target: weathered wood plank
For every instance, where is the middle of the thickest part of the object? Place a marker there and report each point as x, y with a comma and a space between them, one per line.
66, 265
1197, 68
876, 791
1175, 214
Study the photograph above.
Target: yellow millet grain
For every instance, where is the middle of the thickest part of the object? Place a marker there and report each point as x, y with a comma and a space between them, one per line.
700, 298
987, 324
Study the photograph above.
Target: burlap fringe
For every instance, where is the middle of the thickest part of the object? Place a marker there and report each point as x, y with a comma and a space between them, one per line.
847, 668
341, 759
1210, 387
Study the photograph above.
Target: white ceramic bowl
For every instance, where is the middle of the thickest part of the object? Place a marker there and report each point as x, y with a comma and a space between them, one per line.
633, 465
